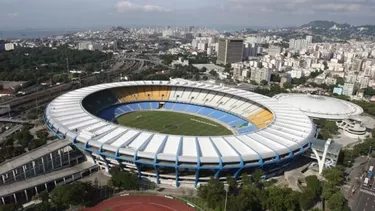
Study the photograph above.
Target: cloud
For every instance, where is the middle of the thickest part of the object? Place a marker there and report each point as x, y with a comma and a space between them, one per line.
123, 6
13, 14
338, 7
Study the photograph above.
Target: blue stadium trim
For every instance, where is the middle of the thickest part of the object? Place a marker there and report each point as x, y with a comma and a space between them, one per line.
260, 161
198, 162
142, 147
241, 160
217, 174
276, 154
156, 157
176, 162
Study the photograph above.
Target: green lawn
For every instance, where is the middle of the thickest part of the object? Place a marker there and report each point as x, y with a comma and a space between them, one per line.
173, 123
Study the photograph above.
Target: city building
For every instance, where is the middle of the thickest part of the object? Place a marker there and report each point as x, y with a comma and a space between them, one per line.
259, 75
348, 89
274, 50
230, 51
9, 46
89, 46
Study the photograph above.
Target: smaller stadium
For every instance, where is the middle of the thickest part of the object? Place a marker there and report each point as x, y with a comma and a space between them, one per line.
180, 132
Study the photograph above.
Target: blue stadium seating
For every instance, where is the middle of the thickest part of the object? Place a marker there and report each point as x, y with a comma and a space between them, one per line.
205, 111
193, 109
217, 114
246, 129
107, 114
169, 106
145, 105
154, 105
134, 106
97, 101
121, 109
236, 122
180, 107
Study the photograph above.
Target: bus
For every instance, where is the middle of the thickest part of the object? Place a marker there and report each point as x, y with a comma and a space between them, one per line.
370, 172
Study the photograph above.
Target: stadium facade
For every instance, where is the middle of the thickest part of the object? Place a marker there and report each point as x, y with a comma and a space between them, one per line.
267, 134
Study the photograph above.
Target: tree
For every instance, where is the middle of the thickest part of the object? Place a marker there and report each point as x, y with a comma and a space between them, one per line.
264, 82
334, 175
213, 73
196, 77
337, 202
205, 78
253, 82
328, 190
373, 133
280, 199
60, 196
124, 180
213, 193
257, 175
313, 185
232, 184
306, 200
331, 126
340, 81
7, 207
288, 85
42, 134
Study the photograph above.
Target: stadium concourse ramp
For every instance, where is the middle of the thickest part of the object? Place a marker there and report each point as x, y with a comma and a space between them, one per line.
41, 169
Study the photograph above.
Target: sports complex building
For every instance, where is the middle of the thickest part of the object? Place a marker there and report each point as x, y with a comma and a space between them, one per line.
180, 132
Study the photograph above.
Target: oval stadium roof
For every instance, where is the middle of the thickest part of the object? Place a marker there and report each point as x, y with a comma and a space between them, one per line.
290, 131
317, 106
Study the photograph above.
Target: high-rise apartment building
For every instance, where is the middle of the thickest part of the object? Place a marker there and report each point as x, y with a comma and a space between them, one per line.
348, 89
259, 75
230, 51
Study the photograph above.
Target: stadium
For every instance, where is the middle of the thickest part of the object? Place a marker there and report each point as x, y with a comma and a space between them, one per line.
180, 132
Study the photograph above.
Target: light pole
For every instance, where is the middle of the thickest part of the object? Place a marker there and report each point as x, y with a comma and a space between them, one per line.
226, 188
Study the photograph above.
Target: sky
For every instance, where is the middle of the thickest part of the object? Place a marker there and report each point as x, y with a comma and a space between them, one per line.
38, 14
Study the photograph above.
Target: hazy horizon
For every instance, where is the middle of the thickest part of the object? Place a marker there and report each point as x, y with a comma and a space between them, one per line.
57, 14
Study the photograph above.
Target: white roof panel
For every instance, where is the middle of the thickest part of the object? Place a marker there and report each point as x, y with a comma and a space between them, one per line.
141, 139
124, 138
207, 149
156, 141
189, 147
171, 146
223, 147
111, 135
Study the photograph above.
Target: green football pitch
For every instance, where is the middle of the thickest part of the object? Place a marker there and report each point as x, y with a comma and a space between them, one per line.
173, 123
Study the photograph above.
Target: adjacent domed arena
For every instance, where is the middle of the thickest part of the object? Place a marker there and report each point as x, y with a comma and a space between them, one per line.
180, 132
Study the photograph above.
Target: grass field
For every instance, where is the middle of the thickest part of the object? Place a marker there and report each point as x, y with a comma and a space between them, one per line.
173, 123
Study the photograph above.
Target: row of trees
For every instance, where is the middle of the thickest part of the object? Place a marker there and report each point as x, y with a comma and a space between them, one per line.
273, 90
24, 64
82, 194
326, 128
255, 194
348, 155
17, 143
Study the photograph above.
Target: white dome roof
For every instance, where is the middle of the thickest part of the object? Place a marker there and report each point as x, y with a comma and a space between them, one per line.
317, 106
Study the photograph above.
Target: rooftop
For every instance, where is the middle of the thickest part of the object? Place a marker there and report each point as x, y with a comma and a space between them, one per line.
317, 106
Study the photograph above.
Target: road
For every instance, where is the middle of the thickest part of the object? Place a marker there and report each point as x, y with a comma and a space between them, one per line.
364, 198
10, 132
